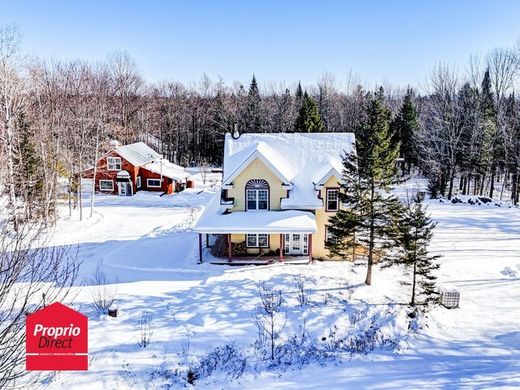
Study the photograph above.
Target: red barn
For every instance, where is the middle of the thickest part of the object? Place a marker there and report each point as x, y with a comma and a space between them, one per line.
124, 170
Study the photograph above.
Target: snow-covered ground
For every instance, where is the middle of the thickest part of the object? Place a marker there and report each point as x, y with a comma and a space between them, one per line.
145, 244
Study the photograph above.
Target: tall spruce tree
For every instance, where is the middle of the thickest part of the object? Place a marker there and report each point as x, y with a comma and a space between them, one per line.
309, 118
367, 220
488, 130
414, 232
404, 128
298, 96
253, 115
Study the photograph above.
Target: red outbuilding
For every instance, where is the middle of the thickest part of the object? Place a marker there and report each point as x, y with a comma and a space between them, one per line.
124, 170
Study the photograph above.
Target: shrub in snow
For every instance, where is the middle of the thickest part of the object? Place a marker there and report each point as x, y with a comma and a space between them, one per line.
145, 329
103, 293
227, 359
300, 283
269, 317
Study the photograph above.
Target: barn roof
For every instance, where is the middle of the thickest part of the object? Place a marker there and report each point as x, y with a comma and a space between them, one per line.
137, 154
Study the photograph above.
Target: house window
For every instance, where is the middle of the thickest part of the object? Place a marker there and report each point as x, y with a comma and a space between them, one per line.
114, 163
153, 183
329, 236
138, 183
106, 185
257, 195
257, 241
332, 199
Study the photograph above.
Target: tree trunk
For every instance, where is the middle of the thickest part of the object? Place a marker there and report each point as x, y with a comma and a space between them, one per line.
93, 190
11, 197
412, 301
492, 183
452, 179
368, 280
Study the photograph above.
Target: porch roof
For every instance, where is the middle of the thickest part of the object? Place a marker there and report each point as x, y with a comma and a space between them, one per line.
213, 220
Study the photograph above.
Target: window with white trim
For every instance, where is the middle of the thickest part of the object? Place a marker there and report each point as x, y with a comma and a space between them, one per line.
153, 183
114, 163
257, 195
329, 236
106, 185
332, 199
257, 241
138, 182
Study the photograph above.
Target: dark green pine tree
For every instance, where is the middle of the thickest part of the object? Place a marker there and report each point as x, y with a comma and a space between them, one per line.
488, 129
414, 233
309, 118
366, 223
298, 96
404, 128
27, 163
253, 115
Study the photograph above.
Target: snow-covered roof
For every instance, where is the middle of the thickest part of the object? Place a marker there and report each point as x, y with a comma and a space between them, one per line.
214, 220
137, 154
302, 160
168, 169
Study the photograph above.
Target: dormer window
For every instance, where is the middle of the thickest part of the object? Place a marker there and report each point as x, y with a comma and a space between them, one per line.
257, 195
114, 163
332, 199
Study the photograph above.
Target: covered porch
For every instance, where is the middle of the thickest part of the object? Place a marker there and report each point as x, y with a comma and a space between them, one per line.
258, 237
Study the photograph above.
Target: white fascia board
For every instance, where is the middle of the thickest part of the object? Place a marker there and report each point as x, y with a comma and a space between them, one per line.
332, 172
257, 154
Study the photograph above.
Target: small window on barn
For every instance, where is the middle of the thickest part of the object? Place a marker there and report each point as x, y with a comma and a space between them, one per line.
106, 185
114, 163
138, 182
153, 183
332, 199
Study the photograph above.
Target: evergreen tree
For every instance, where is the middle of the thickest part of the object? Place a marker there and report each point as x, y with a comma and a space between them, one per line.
309, 119
298, 96
413, 235
488, 129
404, 128
27, 163
253, 114
367, 220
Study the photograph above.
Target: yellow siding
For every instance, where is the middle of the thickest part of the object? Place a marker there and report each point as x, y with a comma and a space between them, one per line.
256, 170
322, 219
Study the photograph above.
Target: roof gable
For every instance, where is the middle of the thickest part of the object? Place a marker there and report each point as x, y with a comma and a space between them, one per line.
302, 160
263, 152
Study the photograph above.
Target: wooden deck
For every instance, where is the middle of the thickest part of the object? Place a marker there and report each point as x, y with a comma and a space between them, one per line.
252, 260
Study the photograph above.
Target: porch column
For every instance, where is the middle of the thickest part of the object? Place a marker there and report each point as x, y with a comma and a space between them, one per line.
310, 248
200, 248
281, 247
229, 247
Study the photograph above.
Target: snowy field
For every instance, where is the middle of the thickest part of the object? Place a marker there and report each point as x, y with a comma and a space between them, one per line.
144, 243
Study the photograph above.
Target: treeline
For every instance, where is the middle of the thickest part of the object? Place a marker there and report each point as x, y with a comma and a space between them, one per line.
58, 117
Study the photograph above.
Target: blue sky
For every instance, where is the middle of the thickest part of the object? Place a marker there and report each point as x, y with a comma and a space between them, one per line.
381, 41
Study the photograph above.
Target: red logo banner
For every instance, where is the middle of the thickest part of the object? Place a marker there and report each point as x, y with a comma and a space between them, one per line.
56, 339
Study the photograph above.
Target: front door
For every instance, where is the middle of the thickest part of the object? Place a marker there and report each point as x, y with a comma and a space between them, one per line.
124, 189
296, 244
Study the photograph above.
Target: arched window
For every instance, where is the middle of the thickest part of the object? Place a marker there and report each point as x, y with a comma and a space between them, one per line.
257, 195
